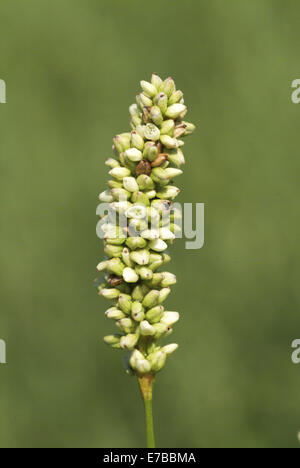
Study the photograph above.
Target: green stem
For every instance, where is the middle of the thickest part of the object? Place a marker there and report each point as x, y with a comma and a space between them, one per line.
146, 386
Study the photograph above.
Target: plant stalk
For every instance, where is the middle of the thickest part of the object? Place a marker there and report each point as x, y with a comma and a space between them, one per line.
146, 383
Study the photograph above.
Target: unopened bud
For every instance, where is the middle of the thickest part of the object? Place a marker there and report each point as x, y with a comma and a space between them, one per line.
133, 154
110, 293
146, 328
143, 100
148, 88
190, 128
156, 115
151, 299
130, 184
141, 257
156, 81
175, 110
169, 318
144, 273
115, 265
158, 245
154, 315
163, 294
176, 157
130, 275
161, 101
112, 339
136, 243
168, 279
179, 130
114, 313
175, 97
145, 182
157, 360
170, 348
137, 311
142, 366
168, 141
129, 341
150, 234
119, 172
111, 162
126, 324
137, 141
113, 251
124, 303
168, 193
140, 198
166, 234
167, 127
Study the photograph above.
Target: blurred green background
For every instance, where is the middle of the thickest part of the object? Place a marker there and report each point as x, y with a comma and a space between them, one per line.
72, 68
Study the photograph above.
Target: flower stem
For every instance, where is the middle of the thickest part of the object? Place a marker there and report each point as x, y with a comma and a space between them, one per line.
146, 386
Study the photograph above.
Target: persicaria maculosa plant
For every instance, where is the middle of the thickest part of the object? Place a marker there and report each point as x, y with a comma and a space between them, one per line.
138, 227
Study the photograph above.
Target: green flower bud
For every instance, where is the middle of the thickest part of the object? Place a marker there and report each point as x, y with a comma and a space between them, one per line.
110, 293
120, 193
129, 341
150, 234
140, 198
140, 130
159, 175
151, 194
133, 154
155, 280
163, 294
113, 250
166, 258
114, 313
148, 88
150, 151
133, 110
106, 196
125, 254
142, 366
114, 184
168, 279
155, 265
139, 292
157, 360
112, 339
154, 315
170, 348
168, 193
151, 299
144, 273
160, 330
137, 141
169, 318
115, 240
114, 265
156, 115
120, 206
167, 128
175, 110
151, 132
137, 311
156, 81
146, 328
143, 100
166, 234
171, 172
136, 355
135, 122
136, 243
168, 86
124, 303
145, 182
141, 257
168, 141
102, 265
175, 97
161, 101
130, 184
129, 275
190, 128
119, 172
176, 157
158, 245
118, 143
111, 162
